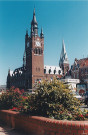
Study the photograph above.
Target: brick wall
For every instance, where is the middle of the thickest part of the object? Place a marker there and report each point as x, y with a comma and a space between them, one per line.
35, 125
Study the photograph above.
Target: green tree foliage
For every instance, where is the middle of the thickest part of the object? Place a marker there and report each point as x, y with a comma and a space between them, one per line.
53, 99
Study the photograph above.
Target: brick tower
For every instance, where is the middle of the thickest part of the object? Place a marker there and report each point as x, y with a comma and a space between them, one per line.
34, 48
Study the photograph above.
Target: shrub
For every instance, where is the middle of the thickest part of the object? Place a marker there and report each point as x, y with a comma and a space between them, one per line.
11, 98
51, 99
54, 100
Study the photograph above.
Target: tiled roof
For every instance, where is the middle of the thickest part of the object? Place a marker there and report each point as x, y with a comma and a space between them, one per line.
82, 62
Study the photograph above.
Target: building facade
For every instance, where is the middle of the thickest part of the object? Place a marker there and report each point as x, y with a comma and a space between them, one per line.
33, 68
79, 70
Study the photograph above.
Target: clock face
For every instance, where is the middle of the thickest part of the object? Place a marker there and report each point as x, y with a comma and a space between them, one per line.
38, 43
27, 44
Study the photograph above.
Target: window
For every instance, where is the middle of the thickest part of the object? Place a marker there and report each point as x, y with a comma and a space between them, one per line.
38, 51
35, 51
54, 71
49, 71
44, 71
39, 69
59, 72
85, 70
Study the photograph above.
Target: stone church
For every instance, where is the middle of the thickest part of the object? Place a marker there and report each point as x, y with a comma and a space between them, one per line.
33, 69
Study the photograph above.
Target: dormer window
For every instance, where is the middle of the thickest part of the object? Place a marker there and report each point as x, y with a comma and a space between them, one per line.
59, 72
44, 71
49, 71
54, 71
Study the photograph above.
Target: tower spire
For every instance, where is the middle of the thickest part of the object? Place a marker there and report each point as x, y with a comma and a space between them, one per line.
64, 63
34, 17
34, 25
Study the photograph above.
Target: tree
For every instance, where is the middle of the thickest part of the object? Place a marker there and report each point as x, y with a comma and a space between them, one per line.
53, 99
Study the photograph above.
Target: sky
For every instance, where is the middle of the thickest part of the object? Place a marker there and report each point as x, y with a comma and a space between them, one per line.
61, 20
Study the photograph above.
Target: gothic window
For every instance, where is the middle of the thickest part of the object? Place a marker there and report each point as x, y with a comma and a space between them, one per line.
36, 51
44, 71
54, 71
81, 70
59, 72
39, 51
85, 70
39, 69
49, 71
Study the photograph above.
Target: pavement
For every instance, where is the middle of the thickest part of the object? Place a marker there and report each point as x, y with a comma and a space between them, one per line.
4, 130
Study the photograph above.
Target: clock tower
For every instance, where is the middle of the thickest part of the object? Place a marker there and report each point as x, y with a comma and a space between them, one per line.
34, 48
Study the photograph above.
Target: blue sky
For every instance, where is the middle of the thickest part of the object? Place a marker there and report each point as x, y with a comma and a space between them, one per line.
66, 20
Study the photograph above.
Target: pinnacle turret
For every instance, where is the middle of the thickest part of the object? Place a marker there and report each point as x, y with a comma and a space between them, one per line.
24, 59
27, 32
41, 34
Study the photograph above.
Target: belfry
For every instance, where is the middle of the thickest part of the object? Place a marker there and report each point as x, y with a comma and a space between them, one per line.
33, 69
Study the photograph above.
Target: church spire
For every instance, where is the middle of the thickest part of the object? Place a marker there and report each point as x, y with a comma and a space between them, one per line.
63, 56
64, 63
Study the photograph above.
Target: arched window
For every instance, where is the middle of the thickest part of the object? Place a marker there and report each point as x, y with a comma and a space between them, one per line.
54, 71
39, 51
44, 71
35, 50
59, 72
49, 71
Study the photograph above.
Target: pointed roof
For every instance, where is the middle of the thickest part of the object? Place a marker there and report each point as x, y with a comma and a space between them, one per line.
9, 71
34, 17
41, 30
81, 62
63, 56
41, 34
63, 47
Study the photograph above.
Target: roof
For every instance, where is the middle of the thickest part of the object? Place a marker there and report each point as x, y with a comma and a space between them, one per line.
82, 62
52, 69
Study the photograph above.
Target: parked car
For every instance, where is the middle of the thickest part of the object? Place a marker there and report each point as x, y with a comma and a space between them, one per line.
86, 98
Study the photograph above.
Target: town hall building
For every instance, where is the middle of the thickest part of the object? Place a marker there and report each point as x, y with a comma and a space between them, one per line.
33, 69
